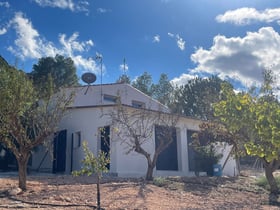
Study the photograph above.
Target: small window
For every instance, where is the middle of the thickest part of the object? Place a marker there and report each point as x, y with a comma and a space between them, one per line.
138, 104
110, 98
77, 140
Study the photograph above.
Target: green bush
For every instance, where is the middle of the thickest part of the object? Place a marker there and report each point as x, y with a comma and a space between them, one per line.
262, 182
160, 181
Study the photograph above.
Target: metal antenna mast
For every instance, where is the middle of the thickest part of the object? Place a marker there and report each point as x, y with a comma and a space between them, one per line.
100, 58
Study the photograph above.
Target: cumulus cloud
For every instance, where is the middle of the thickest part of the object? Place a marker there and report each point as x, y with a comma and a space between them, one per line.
241, 58
29, 44
72, 44
4, 4
183, 79
65, 4
245, 16
27, 38
179, 40
3, 31
156, 38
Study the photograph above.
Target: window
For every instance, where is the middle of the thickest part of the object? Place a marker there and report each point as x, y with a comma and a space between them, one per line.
168, 158
105, 142
192, 154
77, 140
110, 98
138, 104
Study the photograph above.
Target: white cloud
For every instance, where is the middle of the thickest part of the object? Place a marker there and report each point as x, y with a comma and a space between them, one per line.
245, 15
179, 40
123, 67
3, 31
183, 79
103, 10
239, 58
4, 4
27, 38
65, 4
156, 38
72, 44
29, 44
170, 34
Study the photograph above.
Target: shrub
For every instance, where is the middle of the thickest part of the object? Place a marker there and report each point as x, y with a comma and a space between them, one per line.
160, 181
262, 182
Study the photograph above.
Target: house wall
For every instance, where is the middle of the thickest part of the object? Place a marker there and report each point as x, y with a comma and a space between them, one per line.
230, 168
87, 121
94, 96
41, 160
86, 118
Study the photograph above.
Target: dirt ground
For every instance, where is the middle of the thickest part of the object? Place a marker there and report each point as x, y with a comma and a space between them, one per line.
67, 192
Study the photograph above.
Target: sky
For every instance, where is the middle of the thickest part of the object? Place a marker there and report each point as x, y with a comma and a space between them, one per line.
235, 40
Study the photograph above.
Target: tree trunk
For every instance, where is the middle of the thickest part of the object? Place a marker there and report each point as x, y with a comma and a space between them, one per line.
98, 191
270, 179
22, 171
149, 174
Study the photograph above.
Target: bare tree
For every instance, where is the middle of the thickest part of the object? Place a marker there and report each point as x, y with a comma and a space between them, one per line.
136, 126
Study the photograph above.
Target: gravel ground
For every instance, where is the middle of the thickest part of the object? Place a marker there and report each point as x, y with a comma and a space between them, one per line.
67, 192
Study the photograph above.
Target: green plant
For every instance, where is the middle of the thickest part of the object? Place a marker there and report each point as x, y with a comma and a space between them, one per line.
160, 181
206, 157
94, 165
262, 182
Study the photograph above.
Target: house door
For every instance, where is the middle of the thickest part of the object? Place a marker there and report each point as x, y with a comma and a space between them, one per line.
105, 142
59, 152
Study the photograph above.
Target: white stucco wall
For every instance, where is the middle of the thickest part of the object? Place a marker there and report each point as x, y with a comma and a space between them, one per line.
94, 96
87, 116
230, 168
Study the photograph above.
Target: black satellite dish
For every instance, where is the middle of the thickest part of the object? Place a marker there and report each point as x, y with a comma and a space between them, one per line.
89, 77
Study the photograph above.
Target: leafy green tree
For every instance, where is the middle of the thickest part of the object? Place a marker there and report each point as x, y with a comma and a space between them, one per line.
61, 69
124, 79
26, 120
162, 90
94, 164
196, 98
144, 83
251, 123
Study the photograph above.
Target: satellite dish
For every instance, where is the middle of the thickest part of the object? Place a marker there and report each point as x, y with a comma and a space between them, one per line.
89, 77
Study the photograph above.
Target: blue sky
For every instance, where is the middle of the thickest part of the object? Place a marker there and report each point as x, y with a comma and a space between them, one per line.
183, 38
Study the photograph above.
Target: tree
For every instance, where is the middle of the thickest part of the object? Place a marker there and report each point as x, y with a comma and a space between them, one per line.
196, 98
144, 83
123, 79
252, 124
26, 120
93, 164
136, 127
62, 70
163, 90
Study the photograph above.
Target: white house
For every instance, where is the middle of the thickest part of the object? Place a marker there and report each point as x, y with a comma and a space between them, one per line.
86, 117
